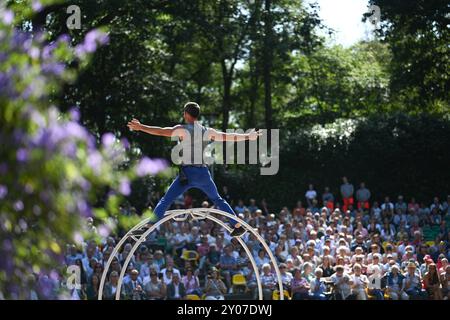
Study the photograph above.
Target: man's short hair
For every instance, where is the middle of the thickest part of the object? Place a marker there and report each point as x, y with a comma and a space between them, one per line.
192, 108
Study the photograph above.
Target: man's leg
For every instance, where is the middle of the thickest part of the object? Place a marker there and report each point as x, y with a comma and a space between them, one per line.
209, 187
175, 189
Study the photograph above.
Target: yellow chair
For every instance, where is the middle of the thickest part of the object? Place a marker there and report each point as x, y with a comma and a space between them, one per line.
384, 244
239, 282
276, 295
429, 243
192, 297
372, 297
190, 255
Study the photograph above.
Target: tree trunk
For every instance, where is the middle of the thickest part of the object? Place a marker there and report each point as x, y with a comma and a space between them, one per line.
267, 66
226, 99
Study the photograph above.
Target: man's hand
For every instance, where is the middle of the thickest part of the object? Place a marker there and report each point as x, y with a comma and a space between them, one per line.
253, 135
134, 125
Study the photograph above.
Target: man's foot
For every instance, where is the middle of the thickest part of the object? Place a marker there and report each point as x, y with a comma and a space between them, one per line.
237, 232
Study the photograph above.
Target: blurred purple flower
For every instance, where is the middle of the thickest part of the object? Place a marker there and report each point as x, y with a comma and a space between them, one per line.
36, 5
108, 139
64, 38
84, 208
7, 16
47, 52
78, 237
5, 84
7, 245
22, 155
34, 53
18, 205
18, 135
3, 168
74, 129
103, 231
84, 184
36, 117
3, 191
18, 40
69, 149
91, 41
125, 143
149, 166
49, 138
124, 187
53, 68
45, 197
95, 161
74, 114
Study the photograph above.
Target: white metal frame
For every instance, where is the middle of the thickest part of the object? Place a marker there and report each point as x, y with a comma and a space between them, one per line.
182, 215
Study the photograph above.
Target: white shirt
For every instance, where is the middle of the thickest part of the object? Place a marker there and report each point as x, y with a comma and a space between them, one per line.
177, 290
311, 194
169, 280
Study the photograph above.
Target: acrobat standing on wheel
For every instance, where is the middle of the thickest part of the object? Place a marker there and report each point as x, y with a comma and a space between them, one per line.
195, 173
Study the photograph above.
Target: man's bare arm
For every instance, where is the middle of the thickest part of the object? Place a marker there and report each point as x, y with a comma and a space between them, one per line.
222, 136
135, 125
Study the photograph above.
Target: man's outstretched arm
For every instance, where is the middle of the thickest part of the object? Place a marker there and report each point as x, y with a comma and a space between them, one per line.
223, 136
135, 125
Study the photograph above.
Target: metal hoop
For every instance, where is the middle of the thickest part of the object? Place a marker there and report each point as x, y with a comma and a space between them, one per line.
195, 214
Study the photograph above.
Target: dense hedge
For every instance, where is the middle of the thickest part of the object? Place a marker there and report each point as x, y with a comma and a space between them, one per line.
399, 154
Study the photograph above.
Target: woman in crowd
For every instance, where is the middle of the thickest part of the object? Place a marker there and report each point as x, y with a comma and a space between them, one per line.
155, 289
413, 282
432, 283
214, 288
359, 283
299, 286
317, 286
394, 284
92, 288
191, 282
326, 266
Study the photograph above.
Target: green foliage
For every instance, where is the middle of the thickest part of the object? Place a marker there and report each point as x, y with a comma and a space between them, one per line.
394, 154
53, 173
418, 35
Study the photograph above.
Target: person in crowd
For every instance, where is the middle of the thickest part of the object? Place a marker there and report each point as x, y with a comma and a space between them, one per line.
395, 284
359, 283
228, 265
92, 288
432, 282
215, 288
317, 286
134, 285
286, 276
299, 286
413, 282
155, 288
310, 195
402, 244
342, 284
268, 282
445, 280
176, 289
191, 282
363, 197
347, 191
328, 198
